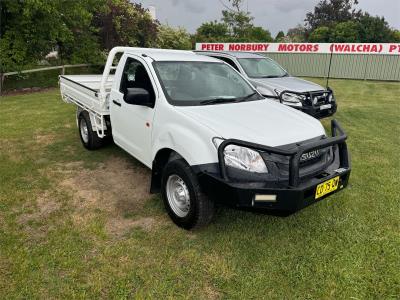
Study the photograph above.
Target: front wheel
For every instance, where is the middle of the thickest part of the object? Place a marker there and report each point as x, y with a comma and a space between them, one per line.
187, 206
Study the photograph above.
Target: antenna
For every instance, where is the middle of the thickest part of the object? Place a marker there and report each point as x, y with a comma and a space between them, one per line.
329, 69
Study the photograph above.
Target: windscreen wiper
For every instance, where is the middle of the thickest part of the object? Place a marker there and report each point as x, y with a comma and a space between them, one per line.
270, 76
245, 98
217, 100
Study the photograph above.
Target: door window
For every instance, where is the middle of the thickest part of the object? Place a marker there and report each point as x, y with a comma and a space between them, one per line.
135, 75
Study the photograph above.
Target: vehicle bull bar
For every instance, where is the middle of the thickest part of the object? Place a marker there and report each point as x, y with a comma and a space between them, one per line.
309, 95
338, 138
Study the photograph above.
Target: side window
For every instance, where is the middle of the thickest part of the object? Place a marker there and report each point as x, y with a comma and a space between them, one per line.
135, 75
228, 61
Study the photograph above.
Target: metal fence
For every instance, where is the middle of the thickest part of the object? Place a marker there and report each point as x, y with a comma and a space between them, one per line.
349, 66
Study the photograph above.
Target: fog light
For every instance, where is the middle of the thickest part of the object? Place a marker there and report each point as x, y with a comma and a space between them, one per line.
265, 198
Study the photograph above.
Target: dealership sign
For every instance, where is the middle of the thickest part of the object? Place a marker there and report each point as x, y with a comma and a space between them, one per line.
340, 48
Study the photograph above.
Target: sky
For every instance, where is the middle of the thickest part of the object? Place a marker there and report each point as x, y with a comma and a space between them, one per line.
274, 15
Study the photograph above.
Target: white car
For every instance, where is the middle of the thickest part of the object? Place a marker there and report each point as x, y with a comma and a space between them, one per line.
207, 135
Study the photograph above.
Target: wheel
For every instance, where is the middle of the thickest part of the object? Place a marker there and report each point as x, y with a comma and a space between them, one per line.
89, 138
187, 206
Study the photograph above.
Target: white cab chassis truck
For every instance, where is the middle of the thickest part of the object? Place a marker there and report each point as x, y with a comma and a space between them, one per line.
207, 135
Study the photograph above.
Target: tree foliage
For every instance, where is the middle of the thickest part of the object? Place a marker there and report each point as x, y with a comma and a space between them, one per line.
375, 29
339, 21
345, 32
236, 26
396, 36
330, 12
81, 31
125, 23
279, 37
239, 22
213, 31
173, 38
296, 34
32, 28
321, 34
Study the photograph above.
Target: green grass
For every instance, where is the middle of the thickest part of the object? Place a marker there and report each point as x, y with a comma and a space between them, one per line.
56, 243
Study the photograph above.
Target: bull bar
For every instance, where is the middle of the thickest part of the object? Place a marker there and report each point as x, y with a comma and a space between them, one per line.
338, 139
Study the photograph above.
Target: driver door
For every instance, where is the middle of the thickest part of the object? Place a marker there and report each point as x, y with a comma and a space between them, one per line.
132, 123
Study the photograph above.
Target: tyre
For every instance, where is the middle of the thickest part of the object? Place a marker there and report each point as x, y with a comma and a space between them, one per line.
89, 138
187, 206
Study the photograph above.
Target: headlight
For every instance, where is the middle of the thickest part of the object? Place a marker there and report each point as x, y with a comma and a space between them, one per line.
242, 158
291, 97
331, 98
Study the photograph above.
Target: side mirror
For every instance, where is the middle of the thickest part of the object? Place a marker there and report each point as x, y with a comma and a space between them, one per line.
138, 96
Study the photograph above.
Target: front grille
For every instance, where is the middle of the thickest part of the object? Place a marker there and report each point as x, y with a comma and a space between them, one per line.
279, 164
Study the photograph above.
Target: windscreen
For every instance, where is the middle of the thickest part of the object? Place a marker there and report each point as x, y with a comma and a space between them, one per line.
202, 83
262, 68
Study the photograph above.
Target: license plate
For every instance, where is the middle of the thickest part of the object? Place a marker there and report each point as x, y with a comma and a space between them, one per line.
325, 106
327, 187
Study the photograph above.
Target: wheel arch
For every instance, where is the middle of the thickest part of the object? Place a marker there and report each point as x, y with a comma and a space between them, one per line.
162, 157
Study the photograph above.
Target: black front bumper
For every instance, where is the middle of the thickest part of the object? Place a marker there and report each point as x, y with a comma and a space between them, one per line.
317, 108
317, 112
290, 195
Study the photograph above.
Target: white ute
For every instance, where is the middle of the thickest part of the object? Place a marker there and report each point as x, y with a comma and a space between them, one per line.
207, 135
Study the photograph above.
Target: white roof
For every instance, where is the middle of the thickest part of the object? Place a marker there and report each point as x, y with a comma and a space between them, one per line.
171, 55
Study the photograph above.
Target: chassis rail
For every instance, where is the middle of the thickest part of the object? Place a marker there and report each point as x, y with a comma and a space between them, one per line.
338, 139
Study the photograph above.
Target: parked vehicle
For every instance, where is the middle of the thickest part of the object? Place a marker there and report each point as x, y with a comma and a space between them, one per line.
273, 81
207, 135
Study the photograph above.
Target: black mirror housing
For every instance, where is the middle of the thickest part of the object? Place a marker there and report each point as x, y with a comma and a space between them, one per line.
138, 96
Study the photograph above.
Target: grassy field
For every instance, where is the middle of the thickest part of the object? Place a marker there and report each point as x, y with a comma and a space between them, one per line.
79, 224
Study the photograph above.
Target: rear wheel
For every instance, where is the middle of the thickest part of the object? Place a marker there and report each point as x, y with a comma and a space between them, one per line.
187, 206
89, 138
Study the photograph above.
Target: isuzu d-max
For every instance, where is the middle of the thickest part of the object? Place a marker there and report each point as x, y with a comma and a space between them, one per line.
274, 82
207, 135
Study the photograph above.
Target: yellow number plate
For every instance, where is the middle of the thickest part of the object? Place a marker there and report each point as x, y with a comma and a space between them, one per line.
327, 187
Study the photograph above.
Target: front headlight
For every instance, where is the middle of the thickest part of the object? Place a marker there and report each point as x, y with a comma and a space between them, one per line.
242, 158
291, 97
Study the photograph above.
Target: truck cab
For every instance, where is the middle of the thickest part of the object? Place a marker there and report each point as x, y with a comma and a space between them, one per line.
207, 134
274, 82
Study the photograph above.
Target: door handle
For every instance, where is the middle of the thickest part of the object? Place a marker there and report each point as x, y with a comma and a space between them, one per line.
116, 103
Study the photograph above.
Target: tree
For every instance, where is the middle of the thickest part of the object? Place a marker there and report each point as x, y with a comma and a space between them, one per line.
320, 35
375, 29
171, 38
125, 23
32, 28
330, 12
279, 36
258, 34
296, 34
345, 32
238, 21
235, 26
396, 36
212, 32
